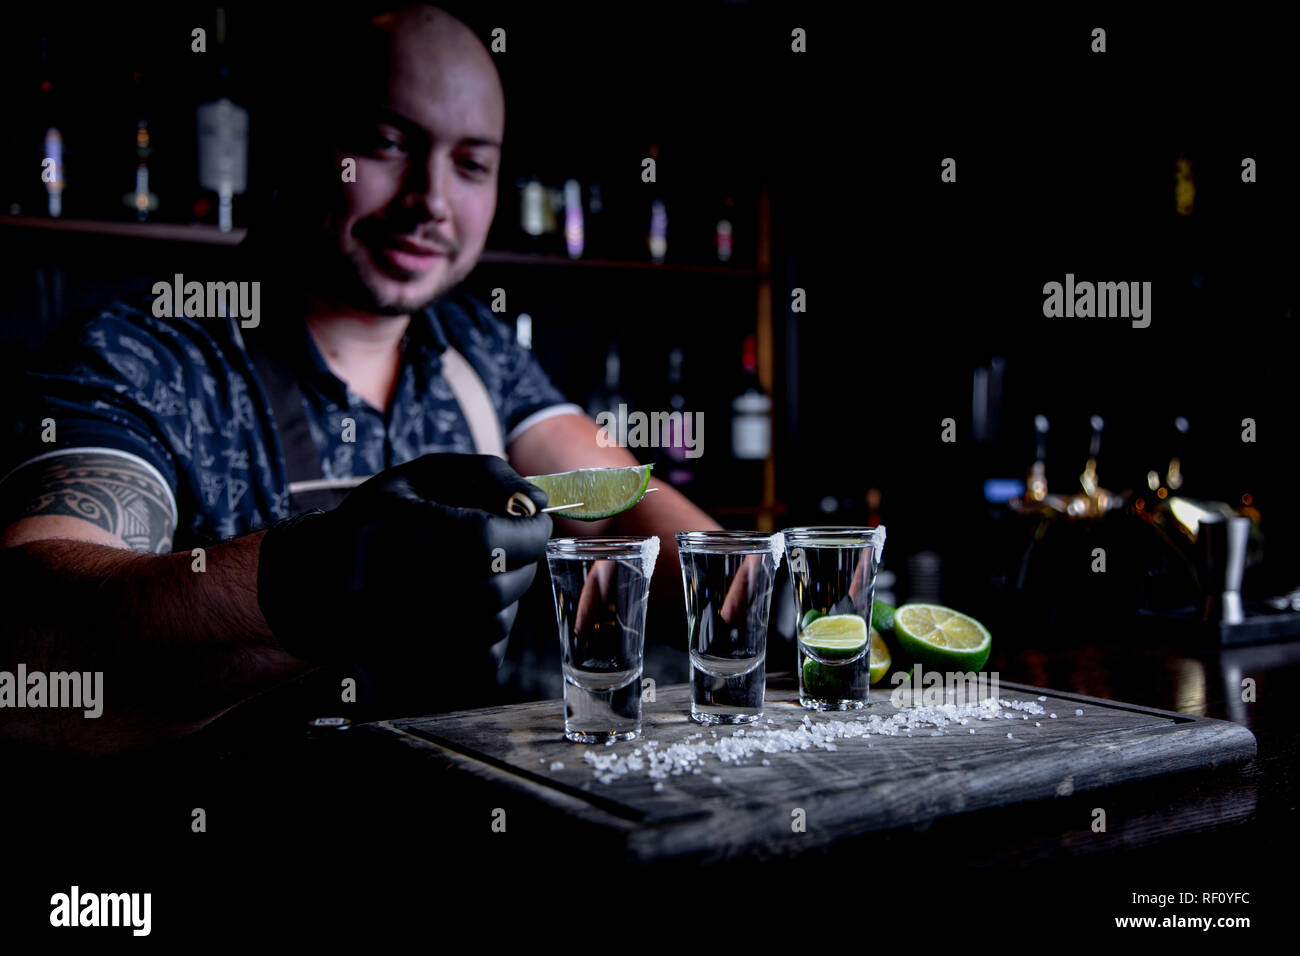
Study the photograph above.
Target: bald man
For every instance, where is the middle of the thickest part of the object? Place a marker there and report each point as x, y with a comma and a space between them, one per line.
235, 506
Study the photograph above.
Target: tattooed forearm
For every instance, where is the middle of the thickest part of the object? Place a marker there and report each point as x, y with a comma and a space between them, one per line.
116, 494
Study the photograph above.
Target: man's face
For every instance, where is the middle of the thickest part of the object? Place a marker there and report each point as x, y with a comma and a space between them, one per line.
427, 146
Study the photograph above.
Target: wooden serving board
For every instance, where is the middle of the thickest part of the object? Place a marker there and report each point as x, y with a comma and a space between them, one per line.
867, 784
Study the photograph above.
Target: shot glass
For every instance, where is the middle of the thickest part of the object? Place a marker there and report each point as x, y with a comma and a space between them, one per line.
833, 575
727, 576
601, 586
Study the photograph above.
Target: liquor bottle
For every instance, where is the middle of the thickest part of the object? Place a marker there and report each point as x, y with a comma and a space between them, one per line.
657, 230
657, 236
751, 410
681, 440
532, 210
141, 199
223, 138
751, 431
723, 230
53, 173
608, 397
541, 227
573, 225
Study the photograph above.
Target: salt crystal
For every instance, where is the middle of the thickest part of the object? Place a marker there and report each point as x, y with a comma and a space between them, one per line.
558, 765
1037, 724
972, 730
1078, 713
1008, 736
716, 780
1042, 698
1053, 716
659, 786
689, 754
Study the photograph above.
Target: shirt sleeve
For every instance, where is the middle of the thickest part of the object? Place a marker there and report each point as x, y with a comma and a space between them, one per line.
521, 391
99, 385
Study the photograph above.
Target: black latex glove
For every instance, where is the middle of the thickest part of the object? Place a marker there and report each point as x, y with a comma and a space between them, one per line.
403, 569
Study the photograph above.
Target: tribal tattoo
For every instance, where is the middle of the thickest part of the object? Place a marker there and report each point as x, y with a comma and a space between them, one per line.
117, 494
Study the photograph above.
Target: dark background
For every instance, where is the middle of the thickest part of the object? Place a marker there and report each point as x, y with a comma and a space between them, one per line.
1065, 163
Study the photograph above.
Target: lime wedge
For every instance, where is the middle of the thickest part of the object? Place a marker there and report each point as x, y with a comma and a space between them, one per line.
880, 659
603, 492
835, 638
882, 616
942, 638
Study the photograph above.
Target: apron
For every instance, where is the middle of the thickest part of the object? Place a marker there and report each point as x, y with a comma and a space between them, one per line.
319, 694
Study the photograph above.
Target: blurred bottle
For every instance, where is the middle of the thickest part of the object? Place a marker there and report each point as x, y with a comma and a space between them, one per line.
141, 200
723, 233
657, 231
751, 435
657, 237
574, 236
532, 214
675, 466
223, 136
874, 519
608, 396
751, 410
53, 174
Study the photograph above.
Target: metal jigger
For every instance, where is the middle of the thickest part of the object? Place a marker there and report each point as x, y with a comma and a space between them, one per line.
1221, 551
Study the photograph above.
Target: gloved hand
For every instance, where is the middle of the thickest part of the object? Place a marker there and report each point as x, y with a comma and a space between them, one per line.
418, 564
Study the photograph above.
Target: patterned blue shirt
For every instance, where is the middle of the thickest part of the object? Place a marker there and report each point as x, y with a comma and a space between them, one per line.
182, 395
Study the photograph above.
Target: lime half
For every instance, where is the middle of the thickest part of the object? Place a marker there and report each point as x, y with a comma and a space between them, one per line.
835, 638
942, 638
603, 492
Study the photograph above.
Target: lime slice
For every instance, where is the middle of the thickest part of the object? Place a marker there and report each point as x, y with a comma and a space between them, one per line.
603, 492
822, 680
880, 659
835, 638
942, 638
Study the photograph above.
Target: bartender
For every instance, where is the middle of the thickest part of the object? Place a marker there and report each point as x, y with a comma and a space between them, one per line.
208, 509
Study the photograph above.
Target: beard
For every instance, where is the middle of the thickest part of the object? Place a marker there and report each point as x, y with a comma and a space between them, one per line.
352, 278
